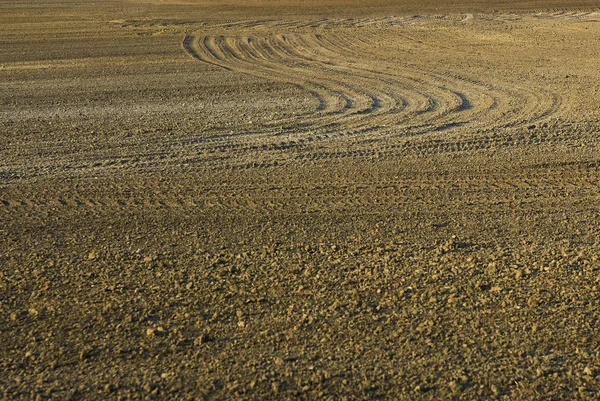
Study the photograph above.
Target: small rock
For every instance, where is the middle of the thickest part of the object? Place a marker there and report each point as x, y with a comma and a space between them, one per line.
92, 255
491, 268
455, 387
532, 302
203, 339
84, 355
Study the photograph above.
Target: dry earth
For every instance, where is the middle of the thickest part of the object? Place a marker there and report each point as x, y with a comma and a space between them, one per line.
307, 200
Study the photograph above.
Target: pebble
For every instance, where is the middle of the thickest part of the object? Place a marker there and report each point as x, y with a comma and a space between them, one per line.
203, 339
455, 387
532, 302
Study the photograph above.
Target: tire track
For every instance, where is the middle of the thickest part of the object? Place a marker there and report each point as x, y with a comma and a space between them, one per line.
359, 91
212, 197
369, 101
526, 105
366, 92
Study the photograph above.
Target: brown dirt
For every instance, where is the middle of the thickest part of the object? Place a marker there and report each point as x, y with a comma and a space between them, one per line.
285, 200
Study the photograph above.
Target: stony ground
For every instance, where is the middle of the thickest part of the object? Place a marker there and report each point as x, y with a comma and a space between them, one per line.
314, 201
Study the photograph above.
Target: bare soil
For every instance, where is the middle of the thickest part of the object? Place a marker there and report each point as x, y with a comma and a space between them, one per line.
313, 200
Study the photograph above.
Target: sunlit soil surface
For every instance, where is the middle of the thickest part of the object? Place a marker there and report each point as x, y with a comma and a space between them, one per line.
317, 200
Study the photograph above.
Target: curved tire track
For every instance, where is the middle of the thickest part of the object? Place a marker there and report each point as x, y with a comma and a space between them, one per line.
359, 91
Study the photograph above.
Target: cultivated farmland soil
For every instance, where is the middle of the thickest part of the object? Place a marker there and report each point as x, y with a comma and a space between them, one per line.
288, 199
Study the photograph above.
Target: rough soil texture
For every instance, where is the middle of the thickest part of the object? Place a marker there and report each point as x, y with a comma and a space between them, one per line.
323, 200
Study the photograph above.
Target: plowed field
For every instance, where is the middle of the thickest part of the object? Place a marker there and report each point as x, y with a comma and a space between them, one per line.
287, 199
